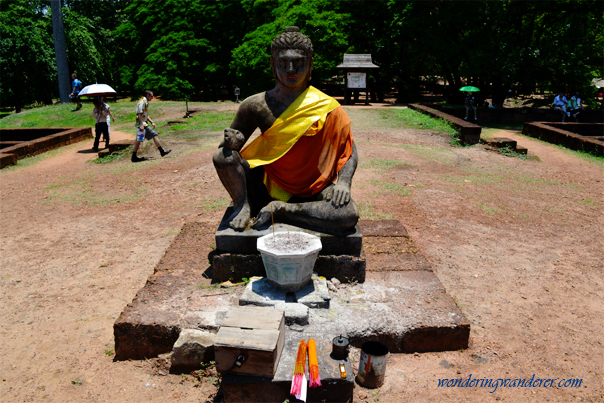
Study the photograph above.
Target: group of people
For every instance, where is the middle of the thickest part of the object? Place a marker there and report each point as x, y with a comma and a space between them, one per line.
568, 107
103, 118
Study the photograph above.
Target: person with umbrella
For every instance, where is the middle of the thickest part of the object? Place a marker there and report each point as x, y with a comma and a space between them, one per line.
143, 130
101, 114
470, 101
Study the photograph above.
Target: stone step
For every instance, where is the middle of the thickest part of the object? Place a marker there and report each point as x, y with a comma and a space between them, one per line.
120, 145
401, 303
502, 142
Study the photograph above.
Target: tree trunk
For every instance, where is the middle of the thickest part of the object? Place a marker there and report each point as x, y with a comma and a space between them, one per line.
58, 34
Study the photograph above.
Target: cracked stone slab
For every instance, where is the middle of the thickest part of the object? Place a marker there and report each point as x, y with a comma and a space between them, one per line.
261, 292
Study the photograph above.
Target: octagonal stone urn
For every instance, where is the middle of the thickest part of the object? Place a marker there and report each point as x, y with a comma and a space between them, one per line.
289, 258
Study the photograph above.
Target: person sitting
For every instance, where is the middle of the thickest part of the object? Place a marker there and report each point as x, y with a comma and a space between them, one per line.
299, 170
575, 106
560, 105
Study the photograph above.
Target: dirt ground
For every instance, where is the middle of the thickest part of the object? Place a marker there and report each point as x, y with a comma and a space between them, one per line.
518, 244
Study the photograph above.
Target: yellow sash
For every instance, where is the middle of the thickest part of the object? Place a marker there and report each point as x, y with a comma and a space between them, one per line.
304, 117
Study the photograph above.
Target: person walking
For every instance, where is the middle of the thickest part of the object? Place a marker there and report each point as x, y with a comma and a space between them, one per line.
101, 113
560, 105
76, 86
143, 130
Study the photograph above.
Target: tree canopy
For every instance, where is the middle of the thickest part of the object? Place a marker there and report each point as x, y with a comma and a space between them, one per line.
190, 48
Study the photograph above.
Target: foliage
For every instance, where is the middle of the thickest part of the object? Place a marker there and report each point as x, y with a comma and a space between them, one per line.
27, 63
202, 49
321, 20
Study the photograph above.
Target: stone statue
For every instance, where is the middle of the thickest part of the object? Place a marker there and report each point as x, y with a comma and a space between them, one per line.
302, 164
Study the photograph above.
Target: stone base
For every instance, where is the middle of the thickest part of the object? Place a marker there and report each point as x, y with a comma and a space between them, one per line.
238, 388
244, 242
401, 303
261, 292
233, 267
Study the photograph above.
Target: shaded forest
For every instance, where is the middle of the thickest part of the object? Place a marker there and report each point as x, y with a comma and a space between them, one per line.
201, 49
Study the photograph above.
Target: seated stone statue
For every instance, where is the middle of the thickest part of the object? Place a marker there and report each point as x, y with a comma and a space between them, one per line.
302, 164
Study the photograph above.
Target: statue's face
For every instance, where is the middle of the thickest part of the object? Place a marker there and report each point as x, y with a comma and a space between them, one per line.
292, 67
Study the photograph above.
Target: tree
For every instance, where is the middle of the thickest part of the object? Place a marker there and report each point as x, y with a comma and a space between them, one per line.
27, 62
323, 21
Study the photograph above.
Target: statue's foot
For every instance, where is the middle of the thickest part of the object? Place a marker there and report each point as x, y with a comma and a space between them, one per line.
266, 214
240, 218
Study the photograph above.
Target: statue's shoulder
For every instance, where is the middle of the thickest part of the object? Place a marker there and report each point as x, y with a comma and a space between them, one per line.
254, 104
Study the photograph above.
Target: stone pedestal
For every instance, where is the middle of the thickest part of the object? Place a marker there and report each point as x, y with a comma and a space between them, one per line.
244, 242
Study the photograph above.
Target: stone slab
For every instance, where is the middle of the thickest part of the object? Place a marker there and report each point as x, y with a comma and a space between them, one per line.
244, 389
244, 242
234, 267
261, 292
401, 303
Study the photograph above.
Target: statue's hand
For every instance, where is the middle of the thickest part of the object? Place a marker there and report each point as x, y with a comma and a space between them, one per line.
233, 139
339, 194
264, 216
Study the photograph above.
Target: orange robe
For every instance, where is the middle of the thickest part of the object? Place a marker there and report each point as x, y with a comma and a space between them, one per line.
314, 161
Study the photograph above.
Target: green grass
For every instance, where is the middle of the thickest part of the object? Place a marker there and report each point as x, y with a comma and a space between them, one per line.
209, 205
367, 212
205, 121
375, 163
589, 202
383, 119
62, 115
417, 120
392, 187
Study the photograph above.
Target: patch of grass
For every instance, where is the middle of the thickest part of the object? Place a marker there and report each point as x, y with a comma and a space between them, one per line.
76, 382
116, 156
209, 205
204, 121
487, 209
374, 163
589, 202
393, 187
431, 153
109, 352
510, 152
173, 231
62, 115
131, 167
367, 212
417, 120
87, 195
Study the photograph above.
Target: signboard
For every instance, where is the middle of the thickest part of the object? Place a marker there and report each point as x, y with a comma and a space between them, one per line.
357, 80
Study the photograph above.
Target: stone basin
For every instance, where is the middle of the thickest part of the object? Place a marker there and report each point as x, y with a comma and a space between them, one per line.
289, 268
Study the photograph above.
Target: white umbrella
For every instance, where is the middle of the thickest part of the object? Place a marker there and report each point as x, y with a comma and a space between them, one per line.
97, 90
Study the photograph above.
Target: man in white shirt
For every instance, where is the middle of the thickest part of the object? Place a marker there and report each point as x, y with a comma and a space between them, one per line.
143, 130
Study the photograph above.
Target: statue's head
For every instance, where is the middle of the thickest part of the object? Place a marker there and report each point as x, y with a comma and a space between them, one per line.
291, 58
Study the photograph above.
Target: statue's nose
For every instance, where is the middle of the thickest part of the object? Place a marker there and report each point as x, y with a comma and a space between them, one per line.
290, 66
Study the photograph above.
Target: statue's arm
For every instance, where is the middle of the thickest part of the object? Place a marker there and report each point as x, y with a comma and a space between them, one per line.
341, 191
